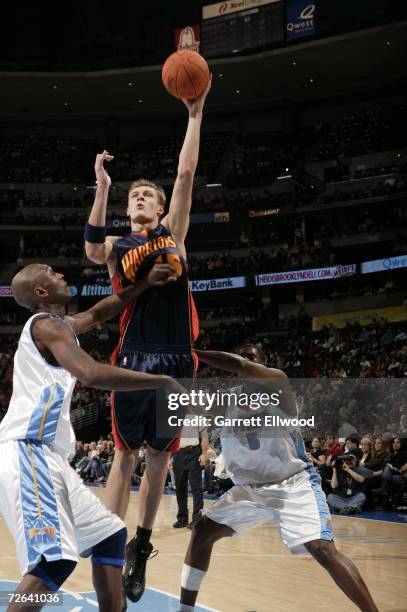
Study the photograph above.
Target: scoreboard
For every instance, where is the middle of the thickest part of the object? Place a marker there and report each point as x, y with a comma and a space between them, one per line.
237, 32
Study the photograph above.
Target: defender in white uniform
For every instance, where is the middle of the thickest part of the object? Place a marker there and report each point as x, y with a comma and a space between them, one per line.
51, 514
273, 480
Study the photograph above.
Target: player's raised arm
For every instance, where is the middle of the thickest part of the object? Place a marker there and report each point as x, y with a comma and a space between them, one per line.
159, 275
56, 336
177, 220
238, 365
250, 364
98, 246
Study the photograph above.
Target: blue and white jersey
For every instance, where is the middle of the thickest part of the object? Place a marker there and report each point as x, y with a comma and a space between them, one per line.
262, 455
40, 405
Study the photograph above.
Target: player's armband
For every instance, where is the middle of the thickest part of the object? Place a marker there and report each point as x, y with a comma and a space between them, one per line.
95, 234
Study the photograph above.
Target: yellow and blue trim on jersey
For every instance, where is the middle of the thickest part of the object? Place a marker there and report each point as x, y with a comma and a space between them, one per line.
323, 510
38, 503
44, 418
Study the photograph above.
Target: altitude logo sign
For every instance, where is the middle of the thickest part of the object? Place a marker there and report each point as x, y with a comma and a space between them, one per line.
300, 19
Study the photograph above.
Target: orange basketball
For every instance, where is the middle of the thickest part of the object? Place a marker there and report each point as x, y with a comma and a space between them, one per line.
185, 75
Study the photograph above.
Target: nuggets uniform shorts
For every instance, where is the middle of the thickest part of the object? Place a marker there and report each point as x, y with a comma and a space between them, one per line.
297, 505
136, 414
46, 506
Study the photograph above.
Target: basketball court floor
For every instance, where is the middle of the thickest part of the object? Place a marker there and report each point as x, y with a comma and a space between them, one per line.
253, 573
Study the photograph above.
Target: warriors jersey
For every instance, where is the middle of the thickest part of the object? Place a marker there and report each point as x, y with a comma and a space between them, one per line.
40, 405
162, 318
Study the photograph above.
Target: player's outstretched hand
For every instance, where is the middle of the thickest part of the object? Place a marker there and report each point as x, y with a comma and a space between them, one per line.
196, 106
173, 386
161, 274
102, 177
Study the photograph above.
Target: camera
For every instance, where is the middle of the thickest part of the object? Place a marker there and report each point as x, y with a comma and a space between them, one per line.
340, 460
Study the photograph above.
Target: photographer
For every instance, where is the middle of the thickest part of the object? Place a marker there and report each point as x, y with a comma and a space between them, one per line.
347, 496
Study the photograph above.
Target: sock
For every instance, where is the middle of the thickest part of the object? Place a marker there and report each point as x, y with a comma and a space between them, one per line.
143, 537
185, 608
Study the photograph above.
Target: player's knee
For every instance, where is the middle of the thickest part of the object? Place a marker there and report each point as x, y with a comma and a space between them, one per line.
125, 462
53, 573
156, 459
203, 531
323, 551
110, 551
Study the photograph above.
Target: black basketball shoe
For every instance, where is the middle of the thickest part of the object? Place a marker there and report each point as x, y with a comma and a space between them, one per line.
135, 569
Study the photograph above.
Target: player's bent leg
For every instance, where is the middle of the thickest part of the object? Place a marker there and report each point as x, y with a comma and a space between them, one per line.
118, 483
205, 533
139, 549
46, 577
344, 572
107, 563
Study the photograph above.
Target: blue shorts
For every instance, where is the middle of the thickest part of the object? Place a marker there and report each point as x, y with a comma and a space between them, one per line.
142, 416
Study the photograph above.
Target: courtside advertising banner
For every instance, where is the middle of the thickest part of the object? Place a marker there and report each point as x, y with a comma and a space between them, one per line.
233, 6
300, 19
299, 276
5, 291
188, 38
217, 217
264, 213
383, 265
214, 284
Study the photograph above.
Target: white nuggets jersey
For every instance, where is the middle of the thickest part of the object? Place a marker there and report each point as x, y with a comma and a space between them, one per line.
40, 405
262, 455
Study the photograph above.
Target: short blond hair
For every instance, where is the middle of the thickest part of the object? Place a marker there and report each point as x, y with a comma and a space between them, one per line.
160, 191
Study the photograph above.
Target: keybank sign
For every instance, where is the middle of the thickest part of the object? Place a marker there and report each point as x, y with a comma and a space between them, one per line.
383, 265
214, 284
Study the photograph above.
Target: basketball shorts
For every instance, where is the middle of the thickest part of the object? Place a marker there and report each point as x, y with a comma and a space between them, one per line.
142, 416
46, 506
297, 505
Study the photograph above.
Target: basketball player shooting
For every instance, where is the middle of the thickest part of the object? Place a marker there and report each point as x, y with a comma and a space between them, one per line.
51, 514
273, 480
156, 332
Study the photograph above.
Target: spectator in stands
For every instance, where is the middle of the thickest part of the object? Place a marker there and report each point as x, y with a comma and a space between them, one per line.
352, 446
388, 440
97, 461
395, 470
377, 462
107, 464
366, 448
84, 472
332, 446
79, 453
83, 462
317, 455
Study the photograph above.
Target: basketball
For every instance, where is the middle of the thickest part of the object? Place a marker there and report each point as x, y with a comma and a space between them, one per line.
185, 74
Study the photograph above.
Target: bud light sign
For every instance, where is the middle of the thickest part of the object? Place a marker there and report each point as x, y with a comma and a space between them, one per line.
300, 19
188, 38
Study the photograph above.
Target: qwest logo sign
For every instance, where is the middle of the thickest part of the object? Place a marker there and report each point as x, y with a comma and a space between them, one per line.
381, 265
300, 19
